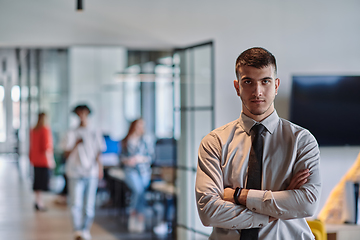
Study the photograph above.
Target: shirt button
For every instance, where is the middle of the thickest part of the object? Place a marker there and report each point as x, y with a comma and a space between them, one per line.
280, 213
261, 225
254, 209
233, 226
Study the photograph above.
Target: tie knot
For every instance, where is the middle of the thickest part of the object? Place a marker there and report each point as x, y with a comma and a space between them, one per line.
258, 129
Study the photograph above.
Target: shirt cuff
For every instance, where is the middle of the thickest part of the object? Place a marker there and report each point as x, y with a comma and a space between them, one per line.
253, 203
260, 220
254, 200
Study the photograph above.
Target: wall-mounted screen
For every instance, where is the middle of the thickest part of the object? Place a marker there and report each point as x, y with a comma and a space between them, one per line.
328, 106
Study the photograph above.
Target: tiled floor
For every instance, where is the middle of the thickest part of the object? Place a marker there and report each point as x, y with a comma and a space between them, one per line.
19, 221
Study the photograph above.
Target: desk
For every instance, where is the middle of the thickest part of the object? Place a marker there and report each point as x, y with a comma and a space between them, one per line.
109, 159
166, 191
121, 193
342, 231
163, 187
117, 173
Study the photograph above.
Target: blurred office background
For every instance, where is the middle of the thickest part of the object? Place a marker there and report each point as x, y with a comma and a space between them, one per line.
171, 63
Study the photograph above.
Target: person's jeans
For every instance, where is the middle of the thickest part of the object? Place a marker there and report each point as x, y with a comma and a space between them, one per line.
82, 193
137, 183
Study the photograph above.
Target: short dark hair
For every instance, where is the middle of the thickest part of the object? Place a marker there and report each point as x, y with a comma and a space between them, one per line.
255, 57
81, 107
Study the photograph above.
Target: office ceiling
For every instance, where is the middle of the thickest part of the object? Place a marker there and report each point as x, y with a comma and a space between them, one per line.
139, 24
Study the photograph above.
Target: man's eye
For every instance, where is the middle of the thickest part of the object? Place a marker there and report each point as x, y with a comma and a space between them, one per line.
247, 82
265, 81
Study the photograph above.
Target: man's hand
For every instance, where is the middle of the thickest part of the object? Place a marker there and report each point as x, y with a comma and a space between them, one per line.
101, 167
299, 179
101, 172
80, 140
229, 195
67, 153
272, 219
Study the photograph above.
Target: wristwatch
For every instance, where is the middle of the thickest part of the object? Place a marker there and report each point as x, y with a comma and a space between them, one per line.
237, 195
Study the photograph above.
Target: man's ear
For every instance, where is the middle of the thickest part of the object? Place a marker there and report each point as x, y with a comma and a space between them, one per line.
277, 84
236, 86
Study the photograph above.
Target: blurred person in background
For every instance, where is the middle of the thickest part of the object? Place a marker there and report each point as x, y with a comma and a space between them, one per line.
136, 157
82, 147
41, 155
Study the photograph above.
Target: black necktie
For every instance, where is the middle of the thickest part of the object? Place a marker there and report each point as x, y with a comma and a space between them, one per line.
254, 175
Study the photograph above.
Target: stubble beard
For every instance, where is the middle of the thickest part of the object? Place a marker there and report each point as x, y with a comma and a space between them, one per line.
257, 113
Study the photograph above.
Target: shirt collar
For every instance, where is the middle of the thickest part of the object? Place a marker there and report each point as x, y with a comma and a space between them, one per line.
269, 123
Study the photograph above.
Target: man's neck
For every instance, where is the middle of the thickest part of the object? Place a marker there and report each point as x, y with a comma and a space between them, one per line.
258, 118
83, 124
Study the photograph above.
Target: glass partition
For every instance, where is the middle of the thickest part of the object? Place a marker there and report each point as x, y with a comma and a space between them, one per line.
194, 118
2, 115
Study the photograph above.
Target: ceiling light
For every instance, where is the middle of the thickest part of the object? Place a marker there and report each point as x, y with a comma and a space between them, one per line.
79, 5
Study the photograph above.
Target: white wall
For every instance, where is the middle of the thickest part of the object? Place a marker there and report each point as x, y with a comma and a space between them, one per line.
92, 81
8, 78
306, 37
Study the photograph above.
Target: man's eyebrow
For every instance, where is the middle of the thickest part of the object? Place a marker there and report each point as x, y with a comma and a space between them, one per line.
264, 78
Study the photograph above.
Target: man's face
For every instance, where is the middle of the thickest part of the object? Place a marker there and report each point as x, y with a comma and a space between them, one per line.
82, 113
257, 89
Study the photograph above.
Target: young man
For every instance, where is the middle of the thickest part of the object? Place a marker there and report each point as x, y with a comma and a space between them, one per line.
83, 147
290, 180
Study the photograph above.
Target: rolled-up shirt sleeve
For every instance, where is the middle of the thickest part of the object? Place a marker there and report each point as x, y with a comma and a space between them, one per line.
209, 187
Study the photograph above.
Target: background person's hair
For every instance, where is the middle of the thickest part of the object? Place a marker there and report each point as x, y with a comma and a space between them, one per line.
81, 107
255, 57
131, 131
41, 120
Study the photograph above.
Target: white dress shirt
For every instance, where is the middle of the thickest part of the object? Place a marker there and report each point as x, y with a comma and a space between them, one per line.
223, 162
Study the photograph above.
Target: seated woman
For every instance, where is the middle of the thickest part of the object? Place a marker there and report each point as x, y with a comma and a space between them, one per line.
136, 157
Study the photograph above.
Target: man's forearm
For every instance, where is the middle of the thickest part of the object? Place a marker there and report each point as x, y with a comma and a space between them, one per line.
216, 212
287, 204
67, 153
98, 160
243, 196
263, 201
241, 199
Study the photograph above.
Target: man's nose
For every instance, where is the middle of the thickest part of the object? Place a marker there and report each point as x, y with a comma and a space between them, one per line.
258, 90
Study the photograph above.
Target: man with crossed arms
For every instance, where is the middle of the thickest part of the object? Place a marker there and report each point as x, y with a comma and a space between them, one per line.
290, 184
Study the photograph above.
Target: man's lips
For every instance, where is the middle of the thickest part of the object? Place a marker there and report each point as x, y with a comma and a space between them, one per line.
257, 101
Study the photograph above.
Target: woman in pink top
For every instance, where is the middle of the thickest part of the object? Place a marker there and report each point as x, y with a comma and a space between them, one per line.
42, 158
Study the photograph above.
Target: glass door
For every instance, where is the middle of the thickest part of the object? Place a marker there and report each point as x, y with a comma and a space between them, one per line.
9, 103
194, 118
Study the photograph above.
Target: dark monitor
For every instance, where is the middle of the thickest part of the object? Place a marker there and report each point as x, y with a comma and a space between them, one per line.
165, 153
329, 107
